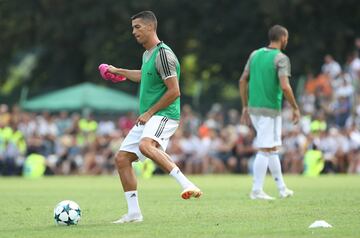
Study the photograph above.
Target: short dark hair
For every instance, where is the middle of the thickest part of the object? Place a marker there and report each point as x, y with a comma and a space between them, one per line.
276, 32
148, 16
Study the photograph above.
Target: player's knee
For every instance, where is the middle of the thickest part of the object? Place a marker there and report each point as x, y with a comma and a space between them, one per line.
122, 160
144, 146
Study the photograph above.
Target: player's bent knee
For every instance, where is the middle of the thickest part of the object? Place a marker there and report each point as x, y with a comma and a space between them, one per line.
144, 146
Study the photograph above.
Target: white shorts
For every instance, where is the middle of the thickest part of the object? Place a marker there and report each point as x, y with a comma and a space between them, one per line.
268, 131
158, 128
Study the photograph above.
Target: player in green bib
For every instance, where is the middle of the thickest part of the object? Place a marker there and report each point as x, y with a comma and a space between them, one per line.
262, 85
159, 114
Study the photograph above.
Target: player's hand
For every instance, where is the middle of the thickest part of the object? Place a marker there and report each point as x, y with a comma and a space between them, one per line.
109, 72
245, 117
142, 119
115, 76
295, 116
112, 69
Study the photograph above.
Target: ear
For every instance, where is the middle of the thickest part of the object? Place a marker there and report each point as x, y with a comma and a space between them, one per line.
151, 26
283, 38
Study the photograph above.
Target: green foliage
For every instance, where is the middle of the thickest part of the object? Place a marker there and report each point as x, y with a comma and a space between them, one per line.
230, 92
76, 36
19, 73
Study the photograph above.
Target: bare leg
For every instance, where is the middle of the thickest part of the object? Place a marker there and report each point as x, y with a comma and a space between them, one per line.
128, 180
149, 148
123, 161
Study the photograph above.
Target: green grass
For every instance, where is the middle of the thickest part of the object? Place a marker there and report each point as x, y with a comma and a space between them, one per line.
224, 211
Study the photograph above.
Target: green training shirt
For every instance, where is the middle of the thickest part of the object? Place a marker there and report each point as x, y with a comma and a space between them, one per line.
265, 66
152, 86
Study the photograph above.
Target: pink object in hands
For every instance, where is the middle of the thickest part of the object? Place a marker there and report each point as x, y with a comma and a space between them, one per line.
116, 78
103, 68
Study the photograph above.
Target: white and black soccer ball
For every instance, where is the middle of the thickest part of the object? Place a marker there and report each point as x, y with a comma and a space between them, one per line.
67, 213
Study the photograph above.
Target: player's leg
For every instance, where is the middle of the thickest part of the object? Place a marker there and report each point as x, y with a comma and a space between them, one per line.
155, 138
261, 159
127, 154
259, 173
152, 150
275, 169
123, 162
128, 180
274, 161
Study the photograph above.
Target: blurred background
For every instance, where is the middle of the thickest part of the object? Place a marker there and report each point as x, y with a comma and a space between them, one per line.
55, 106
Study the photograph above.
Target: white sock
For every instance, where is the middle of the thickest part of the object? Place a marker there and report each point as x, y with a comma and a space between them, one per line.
275, 169
180, 177
132, 202
259, 170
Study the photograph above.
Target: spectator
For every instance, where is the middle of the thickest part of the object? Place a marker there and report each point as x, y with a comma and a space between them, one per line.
327, 144
295, 143
244, 148
189, 119
307, 101
175, 150
354, 66
341, 111
331, 67
190, 146
69, 158
354, 155
321, 83
225, 149
63, 123
4, 115
127, 122
344, 88
106, 127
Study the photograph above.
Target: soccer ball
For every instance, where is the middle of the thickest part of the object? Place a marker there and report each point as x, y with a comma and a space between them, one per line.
67, 213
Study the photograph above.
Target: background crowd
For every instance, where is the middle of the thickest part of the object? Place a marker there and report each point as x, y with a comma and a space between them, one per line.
72, 143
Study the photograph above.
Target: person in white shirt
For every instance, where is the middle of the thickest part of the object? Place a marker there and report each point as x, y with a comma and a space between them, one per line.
331, 67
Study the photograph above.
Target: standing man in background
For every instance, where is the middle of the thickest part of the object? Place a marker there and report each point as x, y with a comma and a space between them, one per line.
262, 85
160, 114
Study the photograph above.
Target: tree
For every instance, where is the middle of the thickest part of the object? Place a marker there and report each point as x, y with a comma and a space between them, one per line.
212, 39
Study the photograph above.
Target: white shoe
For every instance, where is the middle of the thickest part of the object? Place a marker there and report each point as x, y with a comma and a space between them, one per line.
260, 194
127, 218
285, 193
191, 191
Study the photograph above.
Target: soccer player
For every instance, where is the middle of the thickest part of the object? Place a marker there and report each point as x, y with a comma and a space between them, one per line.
262, 85
159, 114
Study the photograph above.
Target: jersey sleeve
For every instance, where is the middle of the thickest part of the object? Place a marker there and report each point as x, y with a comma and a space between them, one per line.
247, 66
283, 66
166, 63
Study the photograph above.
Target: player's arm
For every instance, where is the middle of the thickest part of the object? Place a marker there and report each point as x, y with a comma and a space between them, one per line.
172, 93
244, 89
288, 93
283, 66
133, 75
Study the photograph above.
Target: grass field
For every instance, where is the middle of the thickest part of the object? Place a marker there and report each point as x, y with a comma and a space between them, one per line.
224, 211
